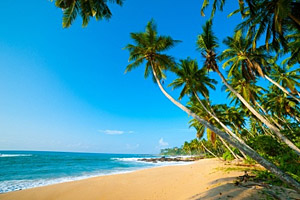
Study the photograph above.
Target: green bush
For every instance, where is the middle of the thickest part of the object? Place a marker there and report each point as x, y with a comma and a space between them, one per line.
227, 155
278, 153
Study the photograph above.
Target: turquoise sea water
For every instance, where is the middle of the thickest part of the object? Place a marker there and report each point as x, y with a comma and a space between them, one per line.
27, 169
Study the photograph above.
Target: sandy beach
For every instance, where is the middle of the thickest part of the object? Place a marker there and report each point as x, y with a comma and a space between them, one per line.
204, 179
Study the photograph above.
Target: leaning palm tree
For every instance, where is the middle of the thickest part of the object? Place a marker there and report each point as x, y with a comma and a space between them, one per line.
87, 9
194, 80
207, 44
242, 57
277, 103
287, 78
200, 133
293, 47
273, 19
248, 89
199, 107
149, 48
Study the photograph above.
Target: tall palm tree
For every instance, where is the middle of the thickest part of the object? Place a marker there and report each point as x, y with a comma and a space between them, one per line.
195, 80
294, 47
207, 44
86, 9
197, 107
251, 92
272, 18
191, 78
242, 57
187, 147
277, 103
248, 89
200, 133
286, 78
149, 48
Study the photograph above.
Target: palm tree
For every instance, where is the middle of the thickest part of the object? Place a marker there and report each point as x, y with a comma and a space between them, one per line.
86, 8
242, 57
248, 89
207, 44
219, 4
197, 107
286, 78
277, 103
294, 48
194, 80
187, 147
149, 48
251, 92
272, 18
200, 132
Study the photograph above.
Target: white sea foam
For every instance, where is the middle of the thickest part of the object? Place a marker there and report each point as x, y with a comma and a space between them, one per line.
14, 185
13, 155
127, 159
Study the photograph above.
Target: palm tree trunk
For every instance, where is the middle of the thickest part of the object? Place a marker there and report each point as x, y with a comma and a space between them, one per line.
209, 151
236, 156
260, 117
221, 123
265, 112
217, 119
248, 151
297, 118
297, 21
284, 122
282, 88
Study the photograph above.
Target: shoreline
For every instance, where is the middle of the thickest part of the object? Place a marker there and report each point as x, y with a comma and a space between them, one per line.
187, 181
67, 179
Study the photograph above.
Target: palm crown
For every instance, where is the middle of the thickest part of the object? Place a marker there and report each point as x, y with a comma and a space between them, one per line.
241, 57
86, 9
149, 47
207, 44
192, 78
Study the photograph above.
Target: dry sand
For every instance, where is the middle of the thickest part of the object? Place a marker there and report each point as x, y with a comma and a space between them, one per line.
200, 180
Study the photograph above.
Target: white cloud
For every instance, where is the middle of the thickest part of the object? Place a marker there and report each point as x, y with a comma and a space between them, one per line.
114, 132
162, 143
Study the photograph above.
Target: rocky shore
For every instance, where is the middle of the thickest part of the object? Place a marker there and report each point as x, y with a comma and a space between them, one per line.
166, 159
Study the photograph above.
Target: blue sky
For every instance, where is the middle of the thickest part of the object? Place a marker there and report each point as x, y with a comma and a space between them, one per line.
65, 89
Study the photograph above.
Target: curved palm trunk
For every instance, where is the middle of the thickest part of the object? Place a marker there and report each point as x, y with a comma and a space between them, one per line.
209, 151
221, 123
294, 19
265, 112
248, 151
282, 88
236, 156
260, 117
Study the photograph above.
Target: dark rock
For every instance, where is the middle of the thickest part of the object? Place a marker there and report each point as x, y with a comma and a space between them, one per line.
165, 159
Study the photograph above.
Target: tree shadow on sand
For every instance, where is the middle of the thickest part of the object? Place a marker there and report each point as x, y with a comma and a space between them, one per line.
228, 191
245, 191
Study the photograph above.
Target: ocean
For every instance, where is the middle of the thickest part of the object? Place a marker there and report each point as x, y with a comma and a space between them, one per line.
27, 169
